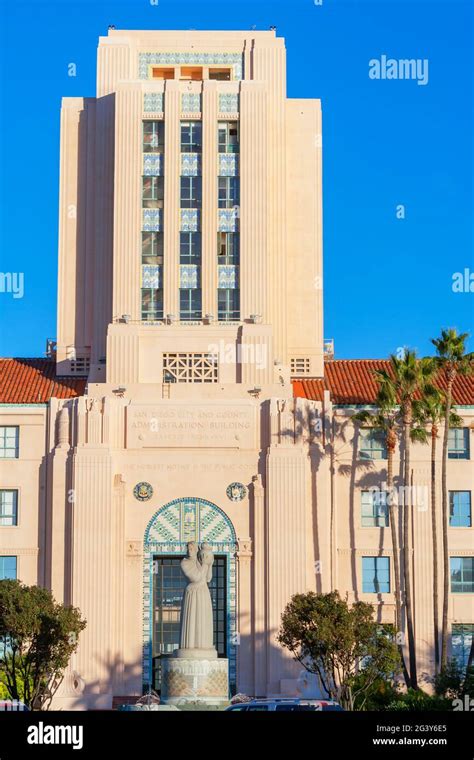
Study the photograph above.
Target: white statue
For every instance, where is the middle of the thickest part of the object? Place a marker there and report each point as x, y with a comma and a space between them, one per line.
196, 631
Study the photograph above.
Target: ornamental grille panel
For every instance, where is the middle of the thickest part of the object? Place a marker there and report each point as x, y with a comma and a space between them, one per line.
228, 102
190, 164
189, 220
152, 276
300, 365
153, 164
152, 219
191, 102
190, 368
153, 102
80, 365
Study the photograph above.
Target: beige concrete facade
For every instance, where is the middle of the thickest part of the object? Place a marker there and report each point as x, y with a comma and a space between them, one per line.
158, 410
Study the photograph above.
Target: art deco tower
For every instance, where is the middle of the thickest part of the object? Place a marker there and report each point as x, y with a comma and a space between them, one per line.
190, 210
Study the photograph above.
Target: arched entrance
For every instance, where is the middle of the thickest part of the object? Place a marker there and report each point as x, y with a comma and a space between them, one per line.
166, 536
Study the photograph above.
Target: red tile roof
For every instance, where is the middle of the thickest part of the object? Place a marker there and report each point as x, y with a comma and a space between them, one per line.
351, 381
34, 381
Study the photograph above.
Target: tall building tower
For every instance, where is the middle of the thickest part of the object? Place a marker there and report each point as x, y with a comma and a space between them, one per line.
189, 291
187, 400
190, 211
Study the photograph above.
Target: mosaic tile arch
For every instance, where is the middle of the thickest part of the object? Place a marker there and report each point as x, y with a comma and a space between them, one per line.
168, 532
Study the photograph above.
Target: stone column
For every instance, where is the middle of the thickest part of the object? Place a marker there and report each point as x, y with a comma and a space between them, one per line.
93, 573
286, 539
60, 506
245, 641
259, 595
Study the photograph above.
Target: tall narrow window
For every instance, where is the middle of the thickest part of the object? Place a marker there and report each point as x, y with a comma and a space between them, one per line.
458, 443
8, 569
191, 137
374, 509
228, 192
153, 136
191, 190
152, 248
372, 444
152, 304
8, 507
152, 235
228, 248
376, 575
190, 304
228, 305
461, 640
462, 575
9, 437
153, 192
228, 137
190, 248
460, 509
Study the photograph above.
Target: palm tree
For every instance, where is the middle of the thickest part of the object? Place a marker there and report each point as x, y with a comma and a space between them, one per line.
430, 410
407, 378
453, 360
385, 419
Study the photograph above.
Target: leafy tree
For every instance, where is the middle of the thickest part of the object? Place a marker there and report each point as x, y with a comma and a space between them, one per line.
37, 639
342, 644
453, 361
380, 694
416, 700
449, 681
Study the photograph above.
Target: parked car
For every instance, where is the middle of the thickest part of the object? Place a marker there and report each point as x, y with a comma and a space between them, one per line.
287, 705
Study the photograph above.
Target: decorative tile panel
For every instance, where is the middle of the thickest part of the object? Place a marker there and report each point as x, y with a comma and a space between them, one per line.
153, 102
189, 220
205, 59
228, 165
229, 102
152, 276
191, 102
152, 219
190, 164
180, 521
228, 220
189, 276
153, 164
189, 522
228, 276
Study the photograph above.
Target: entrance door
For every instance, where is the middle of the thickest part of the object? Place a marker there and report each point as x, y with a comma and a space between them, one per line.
168, 587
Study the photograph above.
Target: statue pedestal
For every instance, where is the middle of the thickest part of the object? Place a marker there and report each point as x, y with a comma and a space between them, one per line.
188, 677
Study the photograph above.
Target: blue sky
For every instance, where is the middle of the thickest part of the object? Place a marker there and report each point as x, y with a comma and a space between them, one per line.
387, 281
